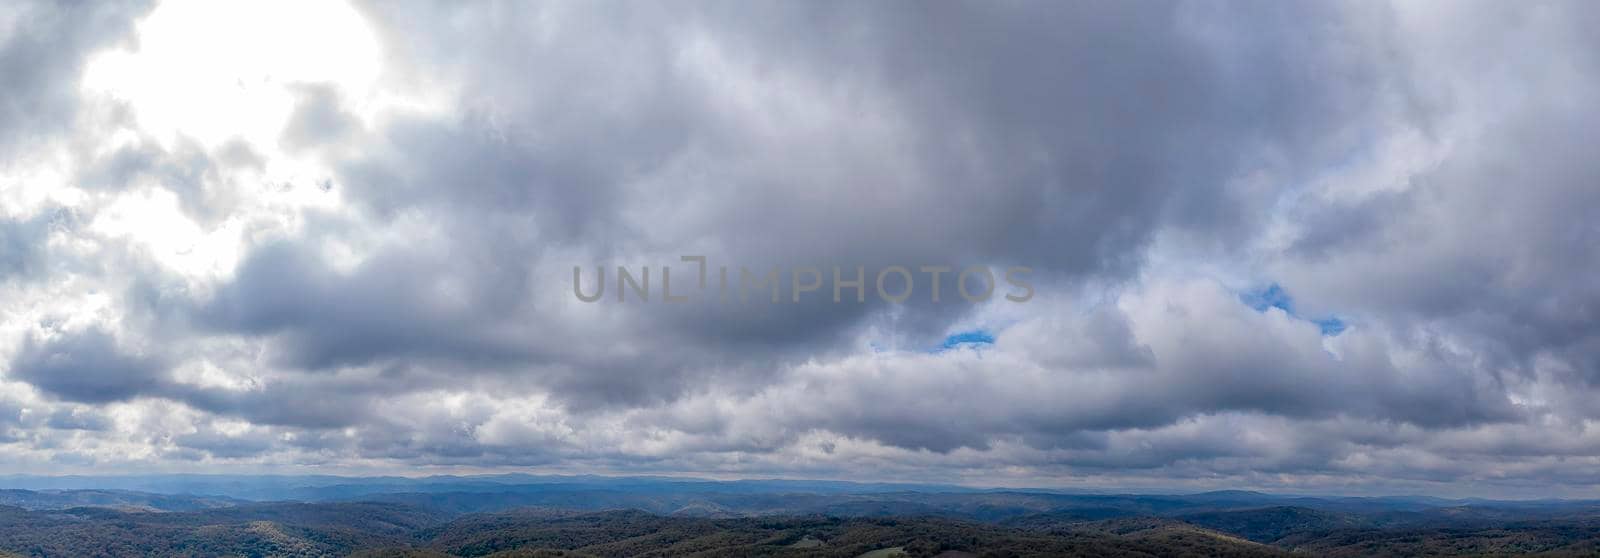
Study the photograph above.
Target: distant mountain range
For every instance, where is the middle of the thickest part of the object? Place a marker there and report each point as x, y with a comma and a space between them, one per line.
527, 515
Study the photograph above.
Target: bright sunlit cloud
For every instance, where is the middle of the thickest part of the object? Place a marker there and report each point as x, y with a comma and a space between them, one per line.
215, 71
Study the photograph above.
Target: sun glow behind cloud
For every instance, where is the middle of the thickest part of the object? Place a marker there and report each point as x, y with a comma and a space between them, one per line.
220, 76
215, 71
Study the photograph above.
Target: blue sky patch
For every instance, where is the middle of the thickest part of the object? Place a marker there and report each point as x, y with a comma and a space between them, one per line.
1273, 296
972, 338
1330, 326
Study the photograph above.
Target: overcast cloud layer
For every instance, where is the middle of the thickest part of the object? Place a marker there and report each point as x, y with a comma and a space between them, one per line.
1331, 247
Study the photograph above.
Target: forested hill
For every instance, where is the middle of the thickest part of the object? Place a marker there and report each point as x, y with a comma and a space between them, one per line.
471, 517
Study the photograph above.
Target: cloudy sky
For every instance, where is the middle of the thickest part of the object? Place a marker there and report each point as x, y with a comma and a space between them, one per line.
1295, 246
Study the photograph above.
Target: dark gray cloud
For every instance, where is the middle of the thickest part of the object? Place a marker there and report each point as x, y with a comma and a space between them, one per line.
43, 48
960, 136
381, 311
87, 366
78, 419
22, 242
